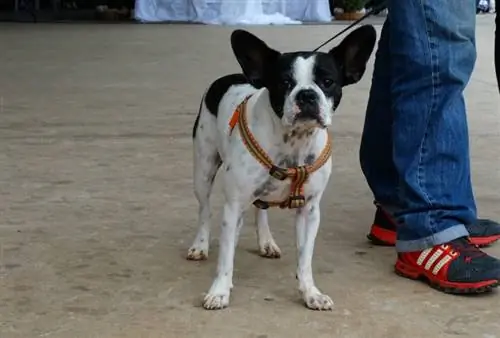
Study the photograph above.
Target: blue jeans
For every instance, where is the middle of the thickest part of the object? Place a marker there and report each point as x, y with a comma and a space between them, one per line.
414, 150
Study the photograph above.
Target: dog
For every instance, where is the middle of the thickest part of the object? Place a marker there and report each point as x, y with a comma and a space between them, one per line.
262, 127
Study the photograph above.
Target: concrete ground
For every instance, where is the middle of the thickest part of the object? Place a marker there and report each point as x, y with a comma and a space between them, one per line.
97, 209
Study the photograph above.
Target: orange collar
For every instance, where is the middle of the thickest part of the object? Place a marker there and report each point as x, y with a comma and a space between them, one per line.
298, 175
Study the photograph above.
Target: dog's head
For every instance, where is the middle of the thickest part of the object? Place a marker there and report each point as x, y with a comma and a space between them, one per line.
304, 87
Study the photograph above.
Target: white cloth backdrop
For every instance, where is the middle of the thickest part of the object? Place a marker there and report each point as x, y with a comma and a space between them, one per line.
233, 12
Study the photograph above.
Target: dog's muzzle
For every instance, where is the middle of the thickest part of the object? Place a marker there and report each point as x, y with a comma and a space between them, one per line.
307, 101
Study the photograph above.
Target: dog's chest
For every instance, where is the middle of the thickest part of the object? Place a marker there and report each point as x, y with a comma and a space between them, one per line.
270, 189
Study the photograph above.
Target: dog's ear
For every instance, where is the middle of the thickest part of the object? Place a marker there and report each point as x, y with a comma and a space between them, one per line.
353, 53
253, 55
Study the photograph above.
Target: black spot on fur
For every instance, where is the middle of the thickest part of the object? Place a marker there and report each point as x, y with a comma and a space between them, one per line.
219, 87
195, 127
217, 160
288, 162
309, 159
228, 167
300, 133
310, 197
264, 189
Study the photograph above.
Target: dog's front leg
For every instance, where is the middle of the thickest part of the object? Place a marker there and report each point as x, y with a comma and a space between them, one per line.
307, 224
218, 295
267, 246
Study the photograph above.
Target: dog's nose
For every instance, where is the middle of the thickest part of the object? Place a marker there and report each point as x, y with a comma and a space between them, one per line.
306, 96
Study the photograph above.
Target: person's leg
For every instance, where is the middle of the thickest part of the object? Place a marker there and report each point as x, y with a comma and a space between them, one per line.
376, 157
376, 142
432, 46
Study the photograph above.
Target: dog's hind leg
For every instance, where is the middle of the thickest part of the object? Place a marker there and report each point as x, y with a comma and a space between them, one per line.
267, 246
206, 163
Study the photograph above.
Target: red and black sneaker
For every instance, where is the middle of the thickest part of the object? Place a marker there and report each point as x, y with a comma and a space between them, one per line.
383, 231
457, 267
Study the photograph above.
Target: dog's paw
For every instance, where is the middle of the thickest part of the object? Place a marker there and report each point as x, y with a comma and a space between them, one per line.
197, 254
315, 300
269, 249
216, 301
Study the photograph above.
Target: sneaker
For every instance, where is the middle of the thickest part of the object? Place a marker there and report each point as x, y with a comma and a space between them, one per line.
383, 231
457, 267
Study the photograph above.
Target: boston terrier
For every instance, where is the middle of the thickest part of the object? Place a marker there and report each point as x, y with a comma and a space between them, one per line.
268, 129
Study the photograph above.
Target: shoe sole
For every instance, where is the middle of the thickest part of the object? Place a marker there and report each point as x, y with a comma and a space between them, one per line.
484, 241
376, 240
404, 270
381, 236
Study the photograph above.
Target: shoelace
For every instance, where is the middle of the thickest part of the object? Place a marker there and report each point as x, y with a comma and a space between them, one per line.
465, 247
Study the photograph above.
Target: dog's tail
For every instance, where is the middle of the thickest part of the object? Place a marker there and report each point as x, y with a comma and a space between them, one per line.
197, 121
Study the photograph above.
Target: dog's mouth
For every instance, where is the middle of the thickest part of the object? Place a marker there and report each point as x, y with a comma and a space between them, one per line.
308, 115
310, 120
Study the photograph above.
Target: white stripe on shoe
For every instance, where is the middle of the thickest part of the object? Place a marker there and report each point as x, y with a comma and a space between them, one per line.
423, 256
440, 255
440, 264
433, 258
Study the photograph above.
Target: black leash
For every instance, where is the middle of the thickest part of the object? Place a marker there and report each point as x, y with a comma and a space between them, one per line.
375, 10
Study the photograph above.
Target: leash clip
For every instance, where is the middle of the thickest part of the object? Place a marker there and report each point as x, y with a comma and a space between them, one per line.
295, 202
278, 173
261, 204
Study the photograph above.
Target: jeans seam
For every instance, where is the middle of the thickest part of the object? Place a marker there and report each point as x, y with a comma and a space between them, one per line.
421, 177
434, 60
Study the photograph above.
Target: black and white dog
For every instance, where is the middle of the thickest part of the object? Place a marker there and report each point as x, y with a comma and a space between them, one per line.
290, 101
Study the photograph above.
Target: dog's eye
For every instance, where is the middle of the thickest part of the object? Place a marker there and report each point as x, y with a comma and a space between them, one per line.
286, 83
327, 83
